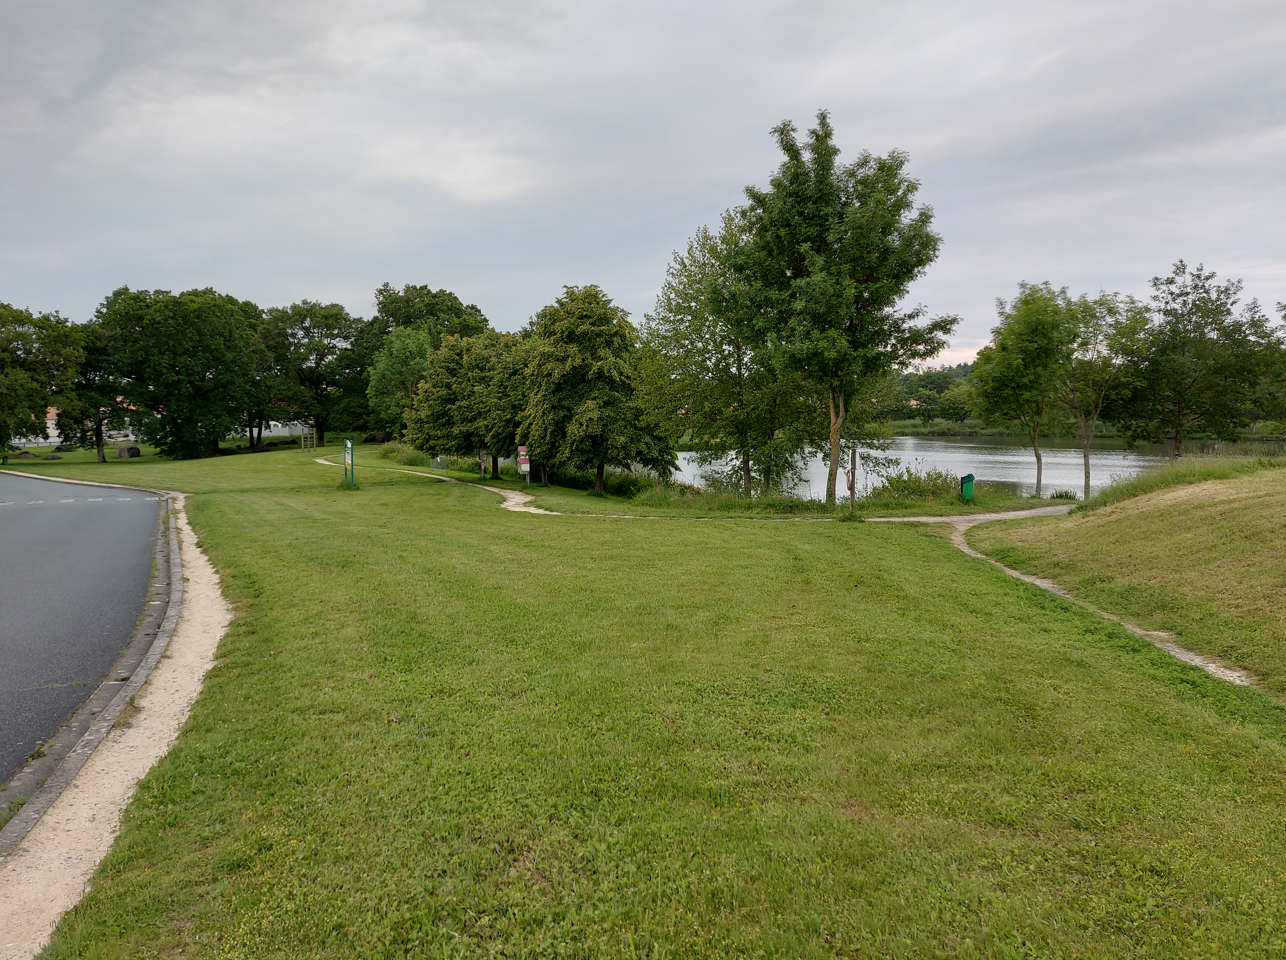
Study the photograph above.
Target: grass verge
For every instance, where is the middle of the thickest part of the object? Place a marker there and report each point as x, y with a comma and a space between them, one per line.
1204, 560
438, 728
1180, 473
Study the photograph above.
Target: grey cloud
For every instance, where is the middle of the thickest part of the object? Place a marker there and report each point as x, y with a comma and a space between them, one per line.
289, 150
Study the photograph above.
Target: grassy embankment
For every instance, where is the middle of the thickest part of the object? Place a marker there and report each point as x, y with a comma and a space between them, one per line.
441, 728
1198, 549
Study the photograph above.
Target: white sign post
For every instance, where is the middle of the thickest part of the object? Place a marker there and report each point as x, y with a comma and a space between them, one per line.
524, 464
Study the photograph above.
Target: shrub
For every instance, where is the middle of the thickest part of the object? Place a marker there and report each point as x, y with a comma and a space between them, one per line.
684, 497
1064, 495
405, 454
622, 483
911, 484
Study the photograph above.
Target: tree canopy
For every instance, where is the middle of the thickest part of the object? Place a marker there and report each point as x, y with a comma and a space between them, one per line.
311, 346
439, 313
188, 364
833, 251
39, 356
726, 396
1198, 362
583, 410
91, 403
1017, 375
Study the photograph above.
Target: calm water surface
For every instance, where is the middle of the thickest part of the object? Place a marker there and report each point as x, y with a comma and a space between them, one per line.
997, 460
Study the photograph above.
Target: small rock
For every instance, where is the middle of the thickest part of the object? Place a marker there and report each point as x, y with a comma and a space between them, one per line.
379, 436
260, 448
25, 455
52, 456
128, 450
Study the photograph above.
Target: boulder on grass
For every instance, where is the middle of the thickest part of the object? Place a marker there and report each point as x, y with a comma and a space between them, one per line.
127, 450
260, 448
379, 436
25, 455
52, 456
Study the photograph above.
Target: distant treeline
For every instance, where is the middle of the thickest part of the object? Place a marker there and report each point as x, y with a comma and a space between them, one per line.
781, 335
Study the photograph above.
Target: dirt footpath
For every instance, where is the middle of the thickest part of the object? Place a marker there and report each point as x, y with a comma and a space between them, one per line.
48, 874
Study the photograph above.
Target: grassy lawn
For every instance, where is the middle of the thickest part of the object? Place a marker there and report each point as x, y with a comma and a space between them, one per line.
438, 728
1204, 559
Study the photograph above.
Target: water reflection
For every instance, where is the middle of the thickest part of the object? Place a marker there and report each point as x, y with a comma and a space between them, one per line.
1001, 461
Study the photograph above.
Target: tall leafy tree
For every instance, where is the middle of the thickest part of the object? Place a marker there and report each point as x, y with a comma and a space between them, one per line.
187, 362
92, 403
439, 313
433, 314
833, 251
956, 403
1198, 363
443, 418
1269, 401
311, 346
1104, 331
723, 394
40, 354
1017, 377
584, 411
399, 367
497, 368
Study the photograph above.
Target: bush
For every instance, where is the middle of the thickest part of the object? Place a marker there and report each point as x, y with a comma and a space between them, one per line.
685, 497
1064, 495
405, 454
621, 483
911, 484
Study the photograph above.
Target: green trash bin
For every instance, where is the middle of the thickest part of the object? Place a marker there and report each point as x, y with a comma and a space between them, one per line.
966, 487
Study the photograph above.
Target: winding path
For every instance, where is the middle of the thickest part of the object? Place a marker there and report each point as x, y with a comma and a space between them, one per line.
520, 502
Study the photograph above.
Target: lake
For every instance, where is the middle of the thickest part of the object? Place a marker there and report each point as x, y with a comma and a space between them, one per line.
996, 460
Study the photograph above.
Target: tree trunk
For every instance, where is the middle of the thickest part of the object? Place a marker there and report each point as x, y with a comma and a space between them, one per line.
1087, 436
1086, 451
1035, 445
598, 478
100, 441
544, 475
259, 440
852, 481
746, 479
837, 424
495, 467
1178, 439
319, 430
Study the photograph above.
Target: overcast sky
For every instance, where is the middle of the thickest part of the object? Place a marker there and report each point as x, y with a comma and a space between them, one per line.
288, 150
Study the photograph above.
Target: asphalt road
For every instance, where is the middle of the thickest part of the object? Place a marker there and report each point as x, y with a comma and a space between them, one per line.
75, 567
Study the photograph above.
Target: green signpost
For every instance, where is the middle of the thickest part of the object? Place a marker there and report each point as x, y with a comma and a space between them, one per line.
350, 476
